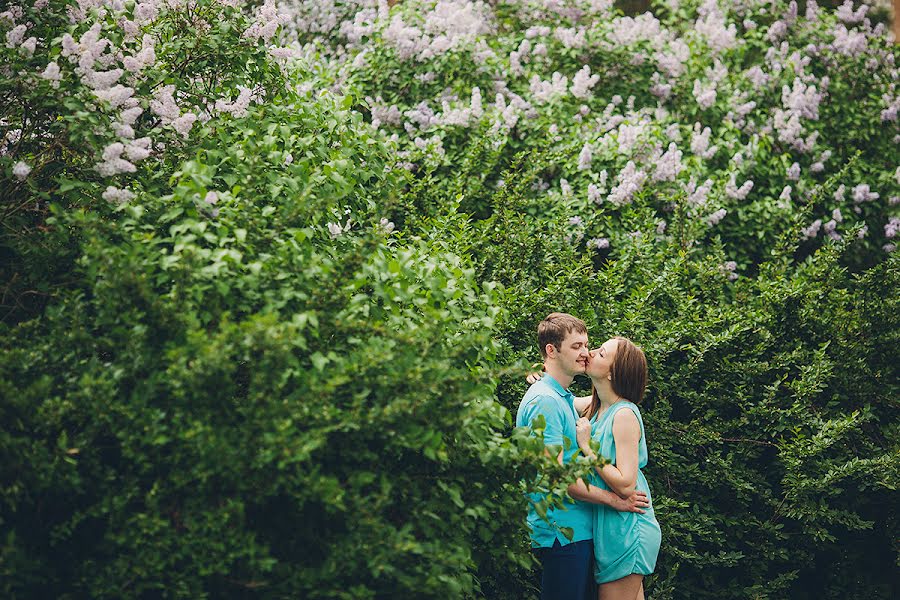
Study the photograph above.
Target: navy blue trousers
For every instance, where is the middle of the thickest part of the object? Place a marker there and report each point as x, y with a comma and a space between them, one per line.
568, 571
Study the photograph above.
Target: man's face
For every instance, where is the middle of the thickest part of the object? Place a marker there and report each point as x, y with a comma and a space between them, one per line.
573, 353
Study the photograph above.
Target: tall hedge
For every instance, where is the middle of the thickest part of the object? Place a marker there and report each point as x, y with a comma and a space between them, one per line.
270, 277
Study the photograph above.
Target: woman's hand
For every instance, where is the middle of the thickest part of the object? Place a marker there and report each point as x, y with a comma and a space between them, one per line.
583, 433
533, 377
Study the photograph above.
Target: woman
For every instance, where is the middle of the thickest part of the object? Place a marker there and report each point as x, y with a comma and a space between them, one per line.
625, 544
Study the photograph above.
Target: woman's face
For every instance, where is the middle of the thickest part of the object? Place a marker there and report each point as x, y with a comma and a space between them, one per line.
601, 360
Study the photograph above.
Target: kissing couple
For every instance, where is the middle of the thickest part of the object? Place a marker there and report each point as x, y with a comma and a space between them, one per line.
616, 536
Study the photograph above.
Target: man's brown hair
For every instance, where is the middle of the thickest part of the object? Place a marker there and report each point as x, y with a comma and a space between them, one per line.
554, 329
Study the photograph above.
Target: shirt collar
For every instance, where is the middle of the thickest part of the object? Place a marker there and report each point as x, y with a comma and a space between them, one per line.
557, 387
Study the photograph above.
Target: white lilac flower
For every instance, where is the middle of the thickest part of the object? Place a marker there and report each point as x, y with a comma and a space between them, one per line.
785, 195
696, 196
756, 76
565, 188
52, 74
238, 109
712, 27
629, 182
700, 142
894, 200
793, 172
335, 230
116, 96
671, 62
266, 24
728, 268
846, 14
626, 31
889, 248
21, 170
385, 226
585, 157
661, 227
116, 195
476, 109
738, 193
575, 221
544, 91
15, 36
29, 46
801, 99
705, 95
130, 115
628, 136
594, 194
660, 88
716, 217
582, 82
669, 165
673, 132
184, 123
863, 232
849, 42
139, 149
113, 163
163, 104
897, 175
598, 243
571, 37
813, 229
836, 215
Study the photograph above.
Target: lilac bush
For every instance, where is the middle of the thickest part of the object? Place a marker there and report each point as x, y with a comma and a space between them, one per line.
756, 95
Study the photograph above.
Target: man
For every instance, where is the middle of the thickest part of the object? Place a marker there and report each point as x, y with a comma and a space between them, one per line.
567, 564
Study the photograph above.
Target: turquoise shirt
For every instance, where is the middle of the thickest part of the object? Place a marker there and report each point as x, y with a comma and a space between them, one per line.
548, 398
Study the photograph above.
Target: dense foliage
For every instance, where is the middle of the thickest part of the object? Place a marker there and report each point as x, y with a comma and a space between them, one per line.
270, 276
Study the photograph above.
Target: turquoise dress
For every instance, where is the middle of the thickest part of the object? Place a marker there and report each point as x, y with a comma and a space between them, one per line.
624, 542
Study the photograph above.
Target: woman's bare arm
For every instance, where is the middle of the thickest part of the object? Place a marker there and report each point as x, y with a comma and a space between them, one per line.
581, 404
622, 476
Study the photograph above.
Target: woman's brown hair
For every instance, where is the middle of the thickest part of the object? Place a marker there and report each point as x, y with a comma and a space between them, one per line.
628, 374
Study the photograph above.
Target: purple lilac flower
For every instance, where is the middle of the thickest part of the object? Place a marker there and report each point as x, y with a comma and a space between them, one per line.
813, 229
585, 157
716, 217
891, 227
862, 193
